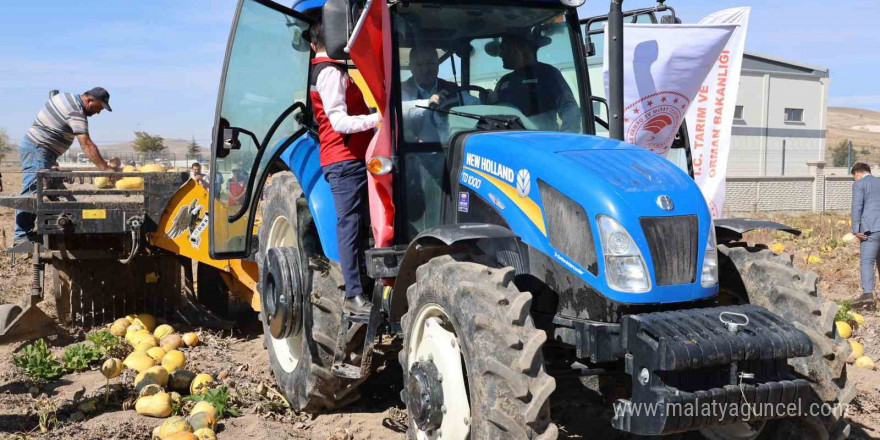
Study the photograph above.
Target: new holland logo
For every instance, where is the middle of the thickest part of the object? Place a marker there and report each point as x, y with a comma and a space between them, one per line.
523, 183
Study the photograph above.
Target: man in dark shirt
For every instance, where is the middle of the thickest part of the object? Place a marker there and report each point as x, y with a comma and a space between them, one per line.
537, 89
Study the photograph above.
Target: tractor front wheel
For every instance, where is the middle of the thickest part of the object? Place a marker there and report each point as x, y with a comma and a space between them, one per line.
472, 358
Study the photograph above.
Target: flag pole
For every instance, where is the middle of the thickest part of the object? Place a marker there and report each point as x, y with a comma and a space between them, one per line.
358, 26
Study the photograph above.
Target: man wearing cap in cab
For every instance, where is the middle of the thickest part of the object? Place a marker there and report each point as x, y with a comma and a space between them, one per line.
63, 118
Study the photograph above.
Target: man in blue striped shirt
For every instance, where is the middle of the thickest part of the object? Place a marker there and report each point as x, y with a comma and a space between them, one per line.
63, 118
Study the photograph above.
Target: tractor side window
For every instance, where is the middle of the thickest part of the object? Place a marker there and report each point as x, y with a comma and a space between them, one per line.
596, 40
265, 78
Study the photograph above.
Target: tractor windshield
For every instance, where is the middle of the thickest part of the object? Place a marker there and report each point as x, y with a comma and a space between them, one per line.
485, 60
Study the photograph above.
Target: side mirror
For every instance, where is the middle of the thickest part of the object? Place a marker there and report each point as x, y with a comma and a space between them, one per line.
230, 140
337, 27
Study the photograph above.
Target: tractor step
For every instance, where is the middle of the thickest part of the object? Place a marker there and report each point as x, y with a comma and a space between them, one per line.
21, 325
351, 323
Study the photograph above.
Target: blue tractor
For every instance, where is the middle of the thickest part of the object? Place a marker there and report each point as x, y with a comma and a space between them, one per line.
527, 246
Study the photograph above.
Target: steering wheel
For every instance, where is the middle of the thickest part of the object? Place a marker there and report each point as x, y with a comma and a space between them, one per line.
455, 98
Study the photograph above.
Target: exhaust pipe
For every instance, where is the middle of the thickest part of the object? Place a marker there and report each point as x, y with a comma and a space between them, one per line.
615, 70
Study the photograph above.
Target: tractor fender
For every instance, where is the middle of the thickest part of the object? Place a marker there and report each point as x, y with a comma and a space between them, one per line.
302, 158
475, 240
728, 230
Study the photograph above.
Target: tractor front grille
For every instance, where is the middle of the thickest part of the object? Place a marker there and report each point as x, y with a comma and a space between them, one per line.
673, 242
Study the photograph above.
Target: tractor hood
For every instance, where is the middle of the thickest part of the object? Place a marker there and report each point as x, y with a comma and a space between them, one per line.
551, 188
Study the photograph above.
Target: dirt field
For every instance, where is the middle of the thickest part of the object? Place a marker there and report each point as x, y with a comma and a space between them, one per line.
241, 360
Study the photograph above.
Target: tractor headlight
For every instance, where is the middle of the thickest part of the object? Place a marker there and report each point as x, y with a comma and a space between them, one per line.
709, 275
624, 266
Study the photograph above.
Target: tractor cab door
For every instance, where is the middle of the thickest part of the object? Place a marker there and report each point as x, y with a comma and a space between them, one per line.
262, 98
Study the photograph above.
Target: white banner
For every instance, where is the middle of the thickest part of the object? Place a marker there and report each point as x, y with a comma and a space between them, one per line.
664, 66
710, 119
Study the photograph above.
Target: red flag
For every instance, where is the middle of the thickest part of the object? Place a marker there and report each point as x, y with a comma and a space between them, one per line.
371, 54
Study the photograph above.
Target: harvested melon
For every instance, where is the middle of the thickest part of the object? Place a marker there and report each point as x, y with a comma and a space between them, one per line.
146, 343
204, 407
848, 237
191, 339
111, 368
201, 383
157, 353
156, 405
863, 362
130, 183
205, 434
147, 320
777, 248
172, 426
857, 351
162, 331
129, 169
153, 375
202, 419
181, 436
119, 327
139, 361
171, 342
173, 360
857, 318
103, 182
843, 329
152, 168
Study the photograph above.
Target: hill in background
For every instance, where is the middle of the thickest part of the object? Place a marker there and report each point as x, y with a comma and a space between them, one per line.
860, 126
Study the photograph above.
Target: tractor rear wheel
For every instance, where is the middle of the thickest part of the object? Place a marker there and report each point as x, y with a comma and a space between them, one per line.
472, 358
301, 361
755, 275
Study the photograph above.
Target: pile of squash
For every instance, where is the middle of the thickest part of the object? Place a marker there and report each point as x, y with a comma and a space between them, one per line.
162, 379
845, 329
128, 182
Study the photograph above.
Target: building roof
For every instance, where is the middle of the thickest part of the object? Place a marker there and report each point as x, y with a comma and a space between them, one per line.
756, 62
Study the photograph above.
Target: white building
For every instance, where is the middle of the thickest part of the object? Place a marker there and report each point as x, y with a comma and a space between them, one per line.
780, 118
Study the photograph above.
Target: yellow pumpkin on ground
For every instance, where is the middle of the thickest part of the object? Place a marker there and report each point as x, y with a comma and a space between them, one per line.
777, 248
865, 362
171, 342
130, 183
119, 327
191, 339
181, 436
139, 361
857, 318
162, 331
201, 383
204, 407
153, 375
205, 434
129, 169
156, 405
843, 329
173, 360
111, 368
145, 344
201, 420
172, 426
157, 353
147, 320
857, 351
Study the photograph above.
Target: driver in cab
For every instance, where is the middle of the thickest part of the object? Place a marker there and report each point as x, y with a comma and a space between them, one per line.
537, 89
425, 89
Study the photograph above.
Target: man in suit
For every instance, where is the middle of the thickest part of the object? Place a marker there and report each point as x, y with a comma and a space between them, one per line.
424, 89
866, 227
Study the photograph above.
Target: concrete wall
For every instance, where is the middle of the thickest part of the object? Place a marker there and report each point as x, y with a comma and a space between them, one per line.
814, 192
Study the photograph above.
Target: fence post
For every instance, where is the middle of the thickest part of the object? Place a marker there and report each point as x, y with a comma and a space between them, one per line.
817, 170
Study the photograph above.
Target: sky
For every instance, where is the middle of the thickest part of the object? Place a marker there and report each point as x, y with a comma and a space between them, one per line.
161, 60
